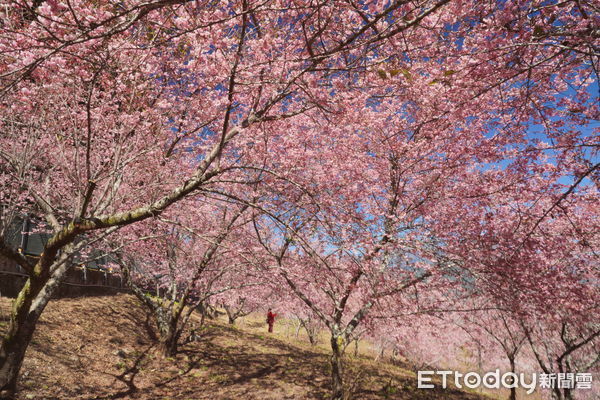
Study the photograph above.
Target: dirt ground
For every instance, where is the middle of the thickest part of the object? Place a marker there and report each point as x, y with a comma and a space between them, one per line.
103, 348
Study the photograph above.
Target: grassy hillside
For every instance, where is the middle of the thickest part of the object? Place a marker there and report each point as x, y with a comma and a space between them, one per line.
102, 348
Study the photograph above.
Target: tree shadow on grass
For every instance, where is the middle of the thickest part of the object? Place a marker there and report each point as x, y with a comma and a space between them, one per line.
108, 354
240, 367
244, 369
98, 331
128, 376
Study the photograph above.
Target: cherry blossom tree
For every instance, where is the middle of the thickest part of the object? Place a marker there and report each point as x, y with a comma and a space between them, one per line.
238, 307
114, 112
546, 277
565, 344
248, 298
309, 321
190, 260
414, 171
502, 328
335, 285
351, 251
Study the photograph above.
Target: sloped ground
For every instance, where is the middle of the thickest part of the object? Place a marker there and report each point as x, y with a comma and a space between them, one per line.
102, 348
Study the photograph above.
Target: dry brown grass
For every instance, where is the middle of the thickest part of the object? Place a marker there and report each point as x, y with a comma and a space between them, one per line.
102, 348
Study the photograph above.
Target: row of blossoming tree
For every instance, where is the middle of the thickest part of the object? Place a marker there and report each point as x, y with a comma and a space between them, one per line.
368, 161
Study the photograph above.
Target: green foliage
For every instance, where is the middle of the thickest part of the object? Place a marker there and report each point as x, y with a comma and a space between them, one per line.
389, 390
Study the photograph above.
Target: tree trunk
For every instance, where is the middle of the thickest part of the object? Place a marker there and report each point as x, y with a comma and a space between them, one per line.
26, 310
557, 394
168, 332
311, 330
381, 352
298, 327
568, 394
337, 384
14, 346
12, 353
167, 346
231, 315
513, 390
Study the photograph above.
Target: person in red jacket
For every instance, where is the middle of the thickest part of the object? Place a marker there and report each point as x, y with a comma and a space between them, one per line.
270, 319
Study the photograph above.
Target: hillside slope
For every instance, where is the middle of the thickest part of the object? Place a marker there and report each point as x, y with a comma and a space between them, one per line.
102, 348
